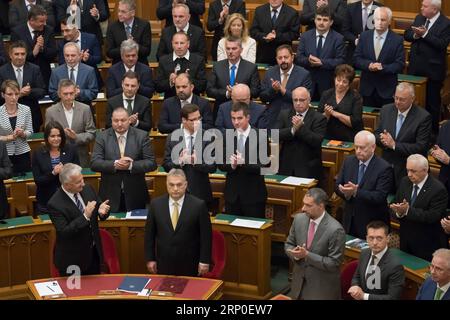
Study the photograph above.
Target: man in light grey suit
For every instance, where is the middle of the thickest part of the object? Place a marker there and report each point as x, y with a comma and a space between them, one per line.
76, 119
315, 244
123, 154
80, 73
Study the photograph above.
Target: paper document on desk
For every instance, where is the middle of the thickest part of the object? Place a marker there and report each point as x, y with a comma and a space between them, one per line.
100, 95
137, 214
247, 223
48, 288
296, 181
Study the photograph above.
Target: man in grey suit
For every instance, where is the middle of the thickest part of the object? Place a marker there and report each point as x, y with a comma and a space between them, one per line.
76, 119
379, 275
315, 245
123, 154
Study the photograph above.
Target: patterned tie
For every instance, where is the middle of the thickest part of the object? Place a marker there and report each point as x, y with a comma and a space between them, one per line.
377, 47
78, 203
438, 294
191, 145
274, 17
311, 230
399, 124
362, 170
121, 141
175, 214
414, 195
365, 15
427, 24
72, 74
19, 77
285, 79
241, 144
233, 75
129, 106
128, 31
319, 45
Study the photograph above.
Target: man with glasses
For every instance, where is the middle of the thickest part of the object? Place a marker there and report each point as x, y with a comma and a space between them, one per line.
301, 130
404, 129
436, 287
189, 146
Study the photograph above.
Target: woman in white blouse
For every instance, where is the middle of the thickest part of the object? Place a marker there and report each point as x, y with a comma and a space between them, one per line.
15, 127
235, 26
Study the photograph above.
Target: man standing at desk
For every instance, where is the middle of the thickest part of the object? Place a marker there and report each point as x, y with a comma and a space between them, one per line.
74, 210
315, 246
178, 231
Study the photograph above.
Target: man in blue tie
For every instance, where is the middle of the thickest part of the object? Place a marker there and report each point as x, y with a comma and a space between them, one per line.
436, 287
364, 183
74, 210
420, 204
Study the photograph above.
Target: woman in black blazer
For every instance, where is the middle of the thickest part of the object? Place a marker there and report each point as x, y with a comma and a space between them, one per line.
48, 161
342, 106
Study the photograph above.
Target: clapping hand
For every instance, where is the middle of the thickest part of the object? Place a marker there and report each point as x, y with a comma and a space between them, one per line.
104, 208
400, 208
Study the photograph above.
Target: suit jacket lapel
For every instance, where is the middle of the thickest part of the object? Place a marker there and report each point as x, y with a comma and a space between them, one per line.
115, 143
320, 230
423, 190
410, 117
62, 116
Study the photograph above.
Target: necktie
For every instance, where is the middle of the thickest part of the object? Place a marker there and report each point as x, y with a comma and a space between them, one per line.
175, 214
78, 203
35, 36
19, 77
191, 145
72, 74
414, 195
371, 268
241, 144
121, 141
233, 75
399, 124
274, 17
427, 24
285, 79
365, 15
438, 294
362, 169
128, 31
377, 47
319, 46
311, 230
129, 106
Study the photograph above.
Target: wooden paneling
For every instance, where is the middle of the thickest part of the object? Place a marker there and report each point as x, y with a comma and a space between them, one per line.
413, 5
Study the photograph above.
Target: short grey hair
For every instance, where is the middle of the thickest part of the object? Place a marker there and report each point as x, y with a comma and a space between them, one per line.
423, 162
402, 86
234, 39
130, 3
71, 44
386, 9
181, 5
445, 254
64, 83
319, 196
436, 3
176, 173
128, 45
369, 136
69, 170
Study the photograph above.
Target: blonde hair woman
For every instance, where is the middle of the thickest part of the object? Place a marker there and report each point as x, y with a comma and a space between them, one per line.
235, 26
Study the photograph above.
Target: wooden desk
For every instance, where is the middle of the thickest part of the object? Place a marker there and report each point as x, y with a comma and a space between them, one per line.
336, 154
196, 288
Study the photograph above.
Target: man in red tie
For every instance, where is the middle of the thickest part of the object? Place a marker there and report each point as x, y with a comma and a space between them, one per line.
315, 244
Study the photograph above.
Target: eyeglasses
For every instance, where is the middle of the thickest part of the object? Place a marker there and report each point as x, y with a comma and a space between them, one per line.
195, 119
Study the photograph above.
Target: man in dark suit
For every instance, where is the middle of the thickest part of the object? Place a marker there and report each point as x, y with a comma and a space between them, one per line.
184, 150
41, 47
279, 82
18, 11
138, 107
436, 287
363, 183
128, 26
180, 61
321, 49
441, 153
338, 8
80, 73
129, 51
241, 93
218, 13
245, 189
429, 36
420, 204
123, 155
92, 12
403, 129
359, 19
170, 116
180, 13
381, 57
196, 9
379, 275
91, 53
5, 173
274, 23
29, 78
301, 132
226, 73
74, 210
178, 231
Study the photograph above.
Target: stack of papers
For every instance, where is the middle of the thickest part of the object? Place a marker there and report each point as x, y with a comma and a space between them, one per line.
296, 181
247, 223
48, 288
357, 243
